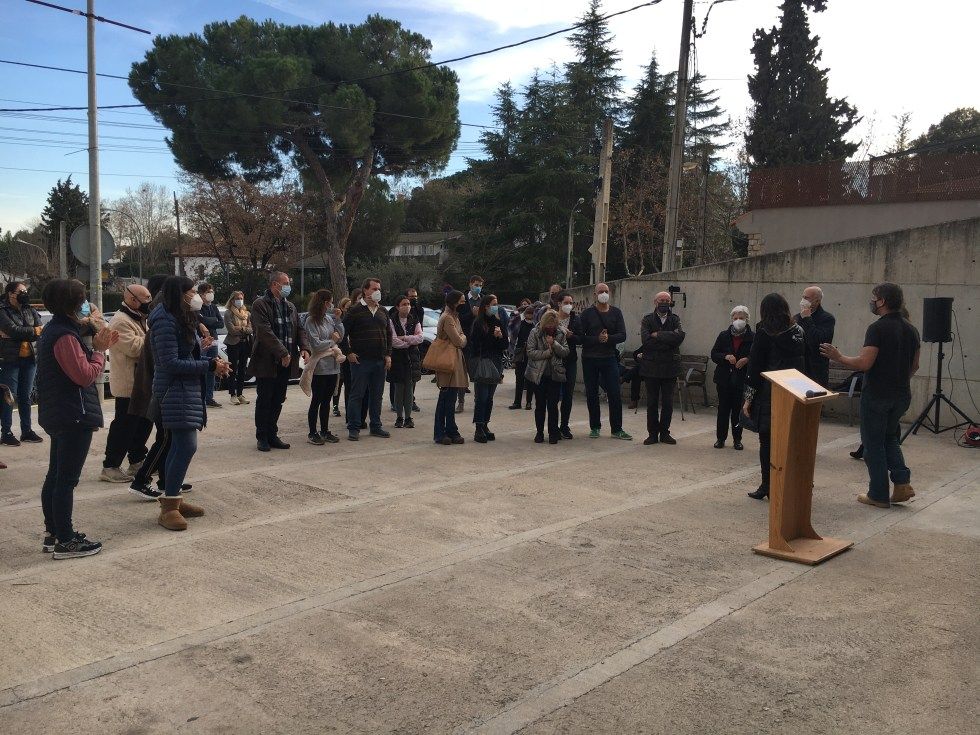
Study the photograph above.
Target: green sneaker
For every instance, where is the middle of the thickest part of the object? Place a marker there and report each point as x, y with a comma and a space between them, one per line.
622, 435
594, 434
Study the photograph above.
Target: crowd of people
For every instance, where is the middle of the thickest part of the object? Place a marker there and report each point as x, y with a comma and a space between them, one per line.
163, 348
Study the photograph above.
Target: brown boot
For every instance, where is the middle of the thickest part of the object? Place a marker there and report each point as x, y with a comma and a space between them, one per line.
190, 511
902, 492
170, 517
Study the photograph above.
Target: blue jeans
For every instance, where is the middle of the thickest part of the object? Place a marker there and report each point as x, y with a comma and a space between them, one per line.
67, 457
19, 377
367, 384
183, 446
880, 434
446, 414
603, 371
484, 402
207, 354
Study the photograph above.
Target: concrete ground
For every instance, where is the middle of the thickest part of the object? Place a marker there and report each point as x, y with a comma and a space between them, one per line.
399, 586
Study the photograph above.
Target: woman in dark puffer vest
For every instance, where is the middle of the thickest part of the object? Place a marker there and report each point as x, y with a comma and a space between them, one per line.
68, 409
178, 387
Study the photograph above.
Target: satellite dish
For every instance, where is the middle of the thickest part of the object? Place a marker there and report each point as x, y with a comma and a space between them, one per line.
79, 244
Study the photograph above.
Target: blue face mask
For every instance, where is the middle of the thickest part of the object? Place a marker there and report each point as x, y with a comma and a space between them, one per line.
493, 310
85, 309
286, 290
476, 290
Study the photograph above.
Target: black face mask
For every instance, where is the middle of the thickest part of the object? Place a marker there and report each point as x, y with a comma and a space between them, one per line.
144, 308
461, 309
23, 299
663, 308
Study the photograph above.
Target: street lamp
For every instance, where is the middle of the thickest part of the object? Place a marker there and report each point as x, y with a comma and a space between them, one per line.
571, 241
47, 262
138, 237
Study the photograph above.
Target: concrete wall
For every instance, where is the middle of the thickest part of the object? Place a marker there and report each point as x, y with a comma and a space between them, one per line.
774, 230
940, 260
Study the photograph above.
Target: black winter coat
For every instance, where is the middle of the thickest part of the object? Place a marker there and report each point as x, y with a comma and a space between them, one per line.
19, 326
62, 404
661, 354
772, 352
726, 374
482, 343
817, 328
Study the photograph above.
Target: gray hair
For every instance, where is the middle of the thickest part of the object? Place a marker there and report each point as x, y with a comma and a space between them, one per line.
276, 275
742, 309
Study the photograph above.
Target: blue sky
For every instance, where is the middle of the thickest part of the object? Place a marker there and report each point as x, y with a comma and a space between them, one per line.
881, 60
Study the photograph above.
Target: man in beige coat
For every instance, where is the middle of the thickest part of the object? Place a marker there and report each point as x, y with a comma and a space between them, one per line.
127, 433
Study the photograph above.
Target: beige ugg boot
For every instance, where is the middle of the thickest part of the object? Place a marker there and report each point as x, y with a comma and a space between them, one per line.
189, 511
170, 517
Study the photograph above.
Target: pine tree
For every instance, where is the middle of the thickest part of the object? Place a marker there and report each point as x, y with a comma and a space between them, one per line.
593, 83
793, 119
650, 113
706, 121
66, 203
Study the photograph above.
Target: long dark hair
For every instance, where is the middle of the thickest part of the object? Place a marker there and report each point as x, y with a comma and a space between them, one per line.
172, 298
318, 304
483, 313
774, 317
452, 301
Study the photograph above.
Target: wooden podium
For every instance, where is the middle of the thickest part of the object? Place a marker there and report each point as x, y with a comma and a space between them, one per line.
795, 423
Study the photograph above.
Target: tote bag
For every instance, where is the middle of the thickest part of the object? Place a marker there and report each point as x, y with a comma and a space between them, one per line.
441, 356
485, 371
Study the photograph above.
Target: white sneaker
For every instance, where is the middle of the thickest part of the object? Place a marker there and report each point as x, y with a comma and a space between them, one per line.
235, 401
114, 474
243, 400
133, 468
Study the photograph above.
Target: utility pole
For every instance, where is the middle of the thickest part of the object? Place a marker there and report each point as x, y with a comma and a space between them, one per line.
600, 231
569, 264
63, 249
180, 248
677, 147
302, 263
94, 203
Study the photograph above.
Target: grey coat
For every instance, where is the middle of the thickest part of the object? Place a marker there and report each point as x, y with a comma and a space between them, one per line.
539, 355
318, 336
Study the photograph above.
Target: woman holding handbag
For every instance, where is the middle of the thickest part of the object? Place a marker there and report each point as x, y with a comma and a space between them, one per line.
487, 344
445, 359
238, 343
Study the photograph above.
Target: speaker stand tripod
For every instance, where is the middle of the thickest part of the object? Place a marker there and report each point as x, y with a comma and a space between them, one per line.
935, 403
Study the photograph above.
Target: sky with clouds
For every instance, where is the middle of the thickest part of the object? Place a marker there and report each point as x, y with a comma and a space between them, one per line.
885, 56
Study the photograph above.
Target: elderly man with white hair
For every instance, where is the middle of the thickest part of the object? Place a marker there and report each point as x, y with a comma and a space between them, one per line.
661, 336
818, 327
730, 355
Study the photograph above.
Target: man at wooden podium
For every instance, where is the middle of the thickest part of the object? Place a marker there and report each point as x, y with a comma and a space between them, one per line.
888, 359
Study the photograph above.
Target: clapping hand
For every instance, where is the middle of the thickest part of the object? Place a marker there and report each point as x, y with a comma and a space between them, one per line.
497, 333
104, 339
222, 368
207, 341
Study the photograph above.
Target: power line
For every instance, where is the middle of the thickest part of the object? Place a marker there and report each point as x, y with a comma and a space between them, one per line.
84, 14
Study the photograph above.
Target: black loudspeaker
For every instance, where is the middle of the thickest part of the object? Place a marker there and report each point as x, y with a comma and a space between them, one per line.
937, 314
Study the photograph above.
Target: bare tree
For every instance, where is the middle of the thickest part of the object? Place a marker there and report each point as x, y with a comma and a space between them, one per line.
140, 219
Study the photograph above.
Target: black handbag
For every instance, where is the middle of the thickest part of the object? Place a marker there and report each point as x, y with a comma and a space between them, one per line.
751, 422
485, 371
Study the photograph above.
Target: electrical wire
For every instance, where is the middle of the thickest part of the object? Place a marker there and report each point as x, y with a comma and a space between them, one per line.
959, 342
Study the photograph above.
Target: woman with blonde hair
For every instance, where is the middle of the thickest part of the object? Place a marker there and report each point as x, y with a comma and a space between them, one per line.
547, 348
238, 344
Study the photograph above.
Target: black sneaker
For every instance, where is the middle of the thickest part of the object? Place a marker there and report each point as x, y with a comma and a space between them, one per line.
336, 411
399, 422
415, 407
47, 546
666, 438
566, 433
315, 439
78, 546
353, 436
31, 437
409, 424
277, 443
328, 437
145, 491
10, 440
263, 446
380, 433
213, 404
513, 406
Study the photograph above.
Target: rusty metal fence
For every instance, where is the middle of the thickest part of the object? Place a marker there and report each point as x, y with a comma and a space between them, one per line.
921, 178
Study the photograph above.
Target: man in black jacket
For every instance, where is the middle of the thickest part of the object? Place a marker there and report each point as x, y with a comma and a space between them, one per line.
818, 327
209, 318
661, 335
368, 336
603, 327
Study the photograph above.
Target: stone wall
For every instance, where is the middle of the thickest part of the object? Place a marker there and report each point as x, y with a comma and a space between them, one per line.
939, 260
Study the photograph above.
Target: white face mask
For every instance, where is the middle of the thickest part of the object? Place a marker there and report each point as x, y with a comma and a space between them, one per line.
603, 298
566, 308
739, 325
376, 296
805, 304
196, 302
239, 303
209, 297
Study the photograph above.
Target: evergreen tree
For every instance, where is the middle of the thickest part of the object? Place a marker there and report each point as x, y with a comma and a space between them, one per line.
793, 119
963, 123
706, 121
66, 203
593, 84
650, 113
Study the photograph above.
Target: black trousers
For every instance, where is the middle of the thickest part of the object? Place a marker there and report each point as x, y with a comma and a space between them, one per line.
323, 388
729, 408
568, 391
128, 435
765, 437
270, 393
659, 390
522, 384
67, 457
238, 357
546, 396
156, 458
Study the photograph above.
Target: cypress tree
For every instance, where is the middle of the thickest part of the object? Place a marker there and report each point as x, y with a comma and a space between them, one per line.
650, 113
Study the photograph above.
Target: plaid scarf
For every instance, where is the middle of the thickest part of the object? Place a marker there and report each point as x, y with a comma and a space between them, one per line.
282, 325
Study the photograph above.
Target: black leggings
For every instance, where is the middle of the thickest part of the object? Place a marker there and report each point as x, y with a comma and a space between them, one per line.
522, 384
323, 388
238, 355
